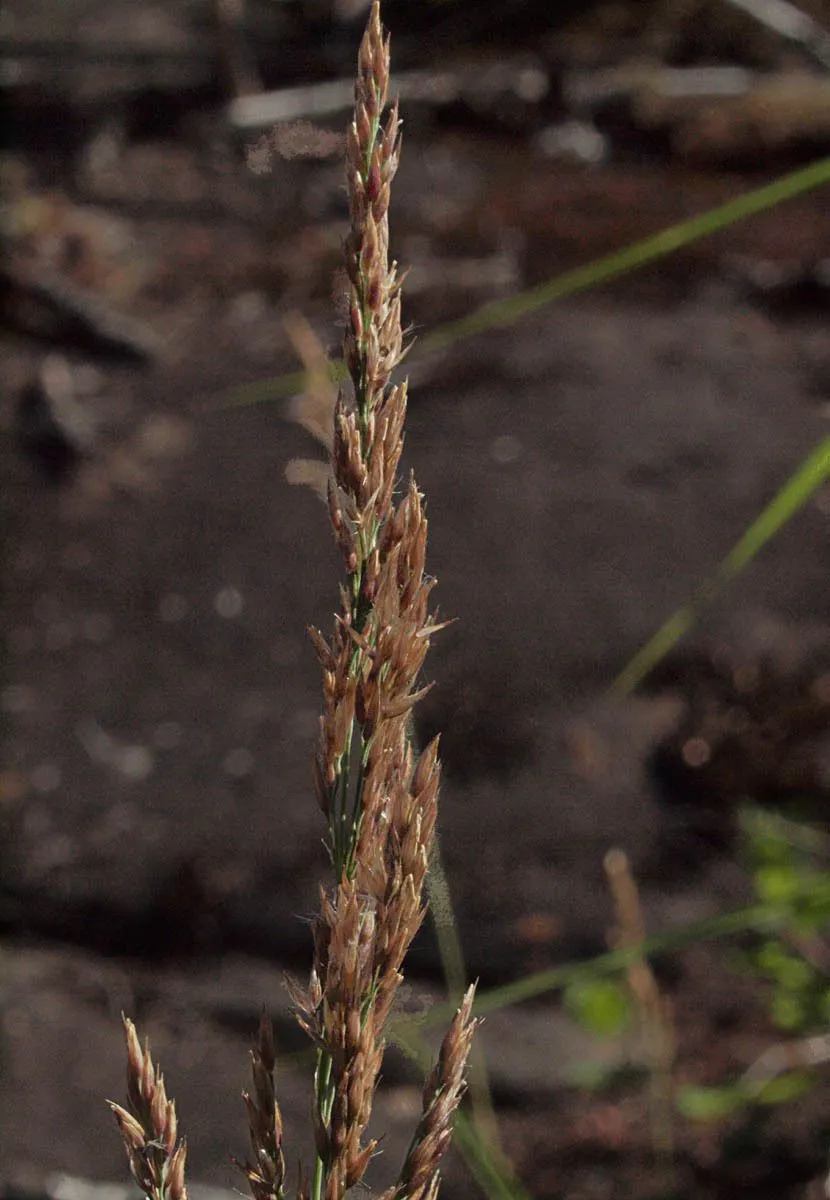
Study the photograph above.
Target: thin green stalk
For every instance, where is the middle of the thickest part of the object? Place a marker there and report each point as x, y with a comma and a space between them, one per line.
650, 249
451, 953
486, 1162
754, 918
507, 311
323, 1098
795, 493
488, 1165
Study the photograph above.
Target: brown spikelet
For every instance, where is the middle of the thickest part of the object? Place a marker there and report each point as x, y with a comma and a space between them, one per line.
266, 1174
443, 1091
149, 1126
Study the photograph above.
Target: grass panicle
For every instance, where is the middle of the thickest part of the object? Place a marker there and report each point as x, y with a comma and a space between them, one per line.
380, 802
379, 797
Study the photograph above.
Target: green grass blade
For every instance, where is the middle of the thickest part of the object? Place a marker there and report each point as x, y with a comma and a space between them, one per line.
451, 954
484, 1158
793, 495
499, 313
785, 504
754, 918
602, 270
488, 1166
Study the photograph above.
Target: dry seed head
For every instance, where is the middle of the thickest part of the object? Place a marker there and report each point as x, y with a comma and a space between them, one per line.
150, 1127
135, 1057
380, 805
443, 1091
174, 1181
267, 1172
131, 1129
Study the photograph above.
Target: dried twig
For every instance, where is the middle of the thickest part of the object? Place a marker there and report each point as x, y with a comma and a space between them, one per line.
655, 1010
792, 23
55, 304
475, 84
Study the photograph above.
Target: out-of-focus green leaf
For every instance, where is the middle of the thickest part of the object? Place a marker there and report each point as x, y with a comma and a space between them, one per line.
778, 884
600, 1006
788, 1010
786, 1087
710, 1103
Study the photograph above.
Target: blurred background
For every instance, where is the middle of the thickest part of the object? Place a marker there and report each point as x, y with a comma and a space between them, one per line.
172, 203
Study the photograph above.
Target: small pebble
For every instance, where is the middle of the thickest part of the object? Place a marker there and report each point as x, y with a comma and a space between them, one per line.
135, 762
248, 307
162, 436
506, 449
228, 602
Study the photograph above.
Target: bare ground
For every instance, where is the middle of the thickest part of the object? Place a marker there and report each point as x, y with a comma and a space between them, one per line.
585, 470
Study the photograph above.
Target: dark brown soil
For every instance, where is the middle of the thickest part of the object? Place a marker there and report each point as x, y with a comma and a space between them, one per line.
586, 469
